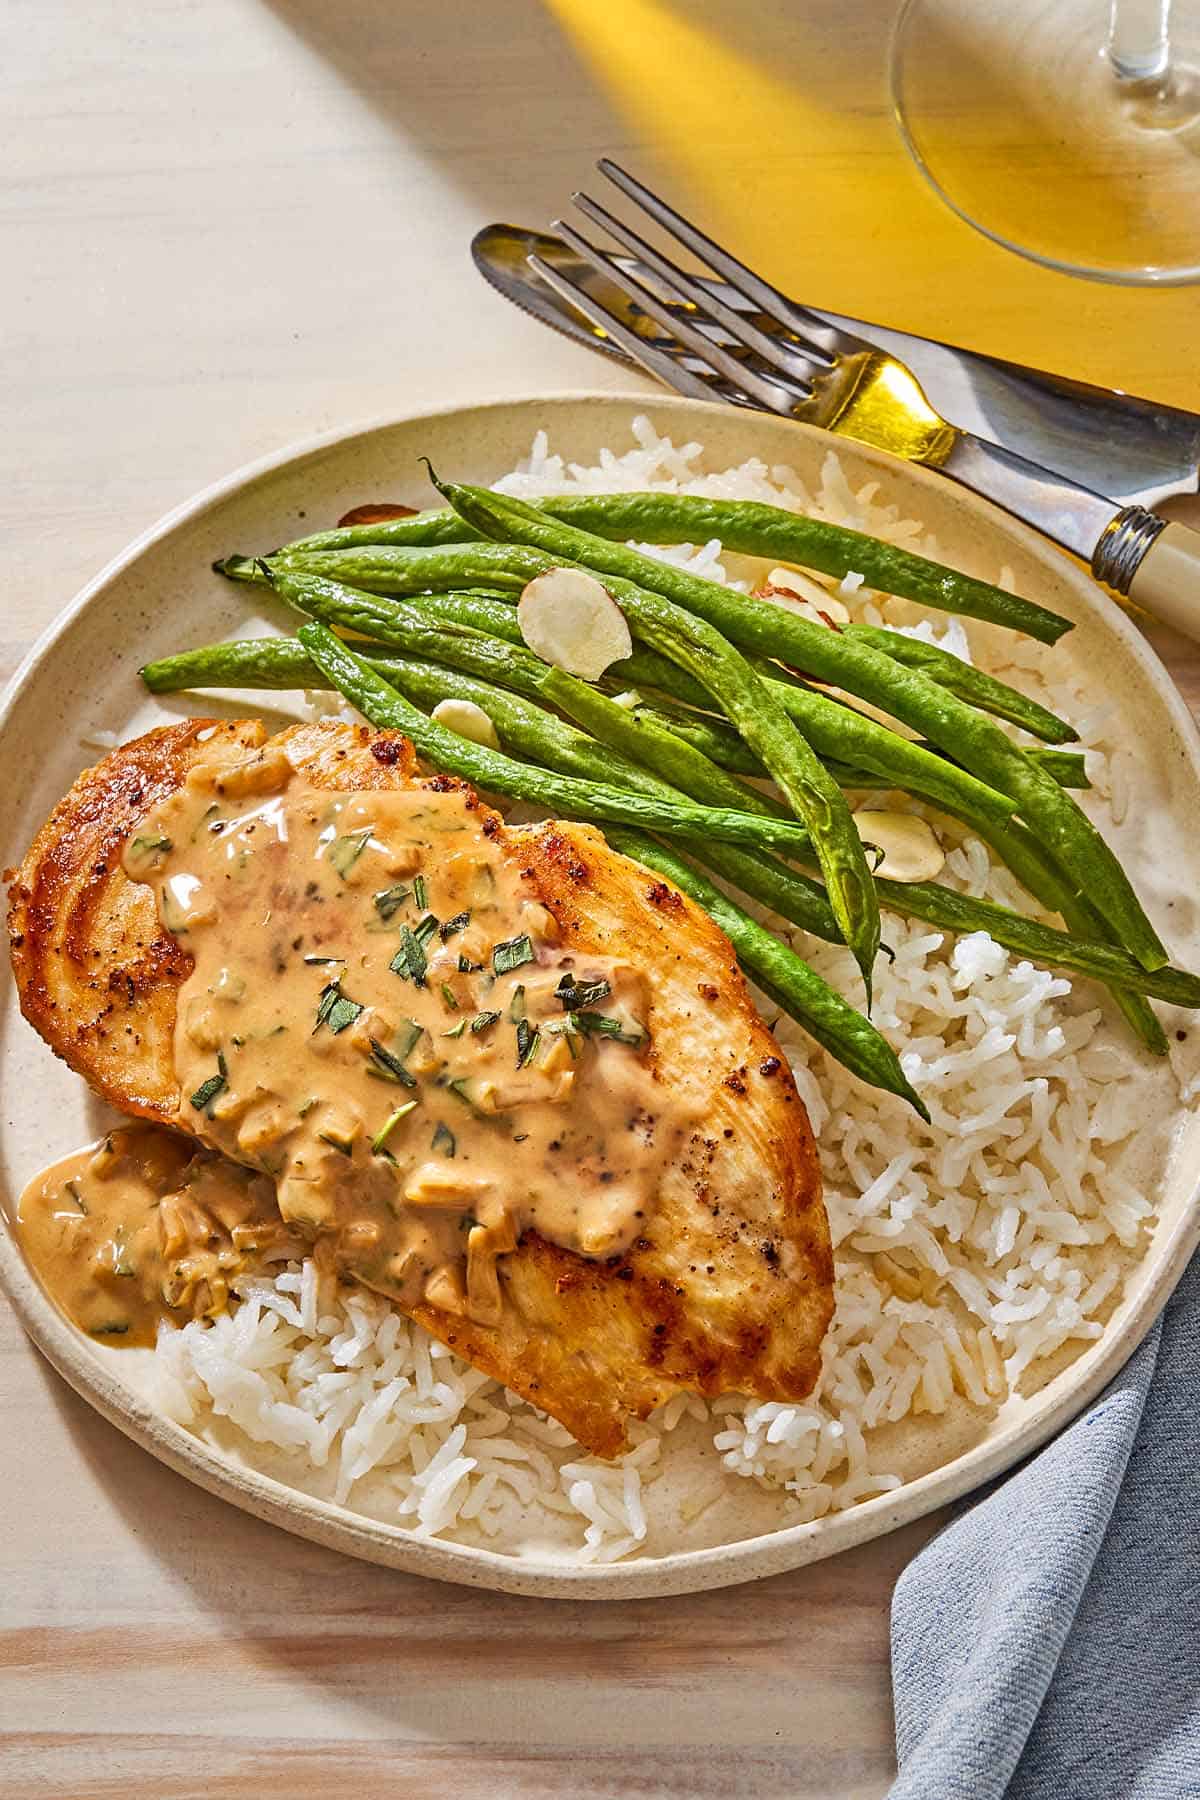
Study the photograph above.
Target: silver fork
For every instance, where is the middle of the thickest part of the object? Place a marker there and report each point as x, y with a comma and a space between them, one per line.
820, 374
805, 368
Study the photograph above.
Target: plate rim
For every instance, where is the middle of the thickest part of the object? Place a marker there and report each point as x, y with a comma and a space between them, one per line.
397, 1546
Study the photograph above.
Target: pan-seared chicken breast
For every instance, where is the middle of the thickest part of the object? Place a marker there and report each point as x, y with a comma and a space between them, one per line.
727, 1284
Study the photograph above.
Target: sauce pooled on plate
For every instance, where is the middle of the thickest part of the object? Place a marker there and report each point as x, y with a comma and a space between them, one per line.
143, 1226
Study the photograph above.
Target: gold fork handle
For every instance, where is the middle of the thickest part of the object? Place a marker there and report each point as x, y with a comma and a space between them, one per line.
1166, 581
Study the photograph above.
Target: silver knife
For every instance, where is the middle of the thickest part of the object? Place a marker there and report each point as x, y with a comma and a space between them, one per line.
1138, 451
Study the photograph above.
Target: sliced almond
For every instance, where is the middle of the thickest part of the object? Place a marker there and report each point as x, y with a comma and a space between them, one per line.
800, 593
433, 1185
203, 1024
370, 1024
304, 1203
557, 1058
466, 720
374, 514
910, 850
571, 621
444, 1289
484, 1244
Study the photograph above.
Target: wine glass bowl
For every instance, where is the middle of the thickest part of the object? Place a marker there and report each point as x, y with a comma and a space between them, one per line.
1066, 130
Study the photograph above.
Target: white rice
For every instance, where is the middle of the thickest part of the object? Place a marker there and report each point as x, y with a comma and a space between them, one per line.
968, 1252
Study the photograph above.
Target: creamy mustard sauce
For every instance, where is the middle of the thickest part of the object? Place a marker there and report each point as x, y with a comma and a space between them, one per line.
382, 1020
143, 1227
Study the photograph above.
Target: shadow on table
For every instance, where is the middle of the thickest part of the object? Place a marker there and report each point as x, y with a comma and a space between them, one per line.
795, 1663
581, 79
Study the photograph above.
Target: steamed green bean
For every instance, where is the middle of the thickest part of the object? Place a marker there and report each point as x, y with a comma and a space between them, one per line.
972, 738
284, 663
834, 730
701, 650
491, 769
974, 685
749, 528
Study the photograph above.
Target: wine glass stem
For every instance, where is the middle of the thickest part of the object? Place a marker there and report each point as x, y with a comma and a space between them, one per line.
1139, 42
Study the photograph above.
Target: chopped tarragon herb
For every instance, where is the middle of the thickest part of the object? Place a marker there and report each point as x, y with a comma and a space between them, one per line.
121, 1262
113, 1330
459, 922
345, 851
594, 1024
303, 1111
420, 892
206, 819
456, 1031
460, 1089
516, 1006
171, 913
382, 1135
337, 1143
336, 1009
444, 1140
390, 1066
317, 961
528, 1039
482, 1021
572, 994
511, 955
410, 960
208, 1090
466, 966
449, 996
412, 1034
70, 1188
150, 846
390, 900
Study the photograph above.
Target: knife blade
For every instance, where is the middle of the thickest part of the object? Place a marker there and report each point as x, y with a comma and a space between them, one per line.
1137, 451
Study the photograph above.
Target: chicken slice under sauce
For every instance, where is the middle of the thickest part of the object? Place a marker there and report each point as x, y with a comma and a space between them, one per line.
501, 1075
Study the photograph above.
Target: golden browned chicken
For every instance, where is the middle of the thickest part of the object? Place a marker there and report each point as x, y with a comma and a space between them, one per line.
727, 1285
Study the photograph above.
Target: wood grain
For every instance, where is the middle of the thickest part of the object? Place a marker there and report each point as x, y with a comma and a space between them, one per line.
229, 226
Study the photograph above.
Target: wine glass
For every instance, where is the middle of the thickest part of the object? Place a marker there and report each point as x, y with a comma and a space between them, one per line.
1067, 130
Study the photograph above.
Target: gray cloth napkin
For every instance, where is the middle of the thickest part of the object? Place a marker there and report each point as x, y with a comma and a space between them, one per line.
1046, 1645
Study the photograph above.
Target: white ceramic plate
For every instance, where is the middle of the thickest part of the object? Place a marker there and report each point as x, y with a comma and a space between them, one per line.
160, 595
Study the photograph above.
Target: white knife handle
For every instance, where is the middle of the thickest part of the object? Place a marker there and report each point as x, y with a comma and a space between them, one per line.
1167, 580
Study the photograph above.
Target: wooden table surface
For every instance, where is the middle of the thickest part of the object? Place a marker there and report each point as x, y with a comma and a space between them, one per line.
228, 225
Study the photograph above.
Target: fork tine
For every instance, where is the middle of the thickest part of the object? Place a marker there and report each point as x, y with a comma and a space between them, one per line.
801, 364
826, 339
608, 323
774, 393
664, 367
